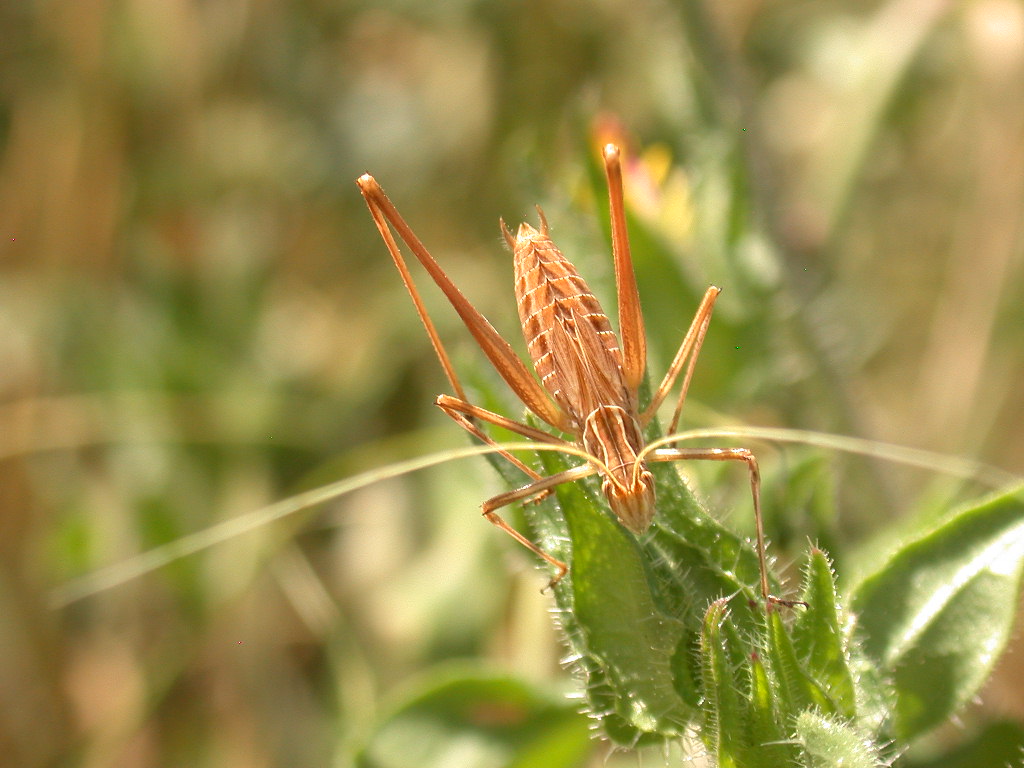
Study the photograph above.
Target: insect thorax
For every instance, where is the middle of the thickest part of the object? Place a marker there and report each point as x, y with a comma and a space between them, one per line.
613, 436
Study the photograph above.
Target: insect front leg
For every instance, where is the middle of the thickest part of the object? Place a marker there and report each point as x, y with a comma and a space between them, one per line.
748, 458
543, 485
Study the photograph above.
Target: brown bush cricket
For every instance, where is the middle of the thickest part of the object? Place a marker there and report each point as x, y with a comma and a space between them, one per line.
588, 382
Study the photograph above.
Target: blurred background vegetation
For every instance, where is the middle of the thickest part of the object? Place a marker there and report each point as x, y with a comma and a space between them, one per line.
198, 318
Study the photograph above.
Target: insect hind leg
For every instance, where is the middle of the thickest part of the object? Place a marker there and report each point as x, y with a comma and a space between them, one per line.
463, 413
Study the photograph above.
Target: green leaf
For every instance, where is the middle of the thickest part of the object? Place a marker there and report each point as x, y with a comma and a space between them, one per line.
796, 689
724, 728
486, 720
616, 618
743, 725
817, 635
716, 561
937, 616
1000, 744
832, 743
770, 747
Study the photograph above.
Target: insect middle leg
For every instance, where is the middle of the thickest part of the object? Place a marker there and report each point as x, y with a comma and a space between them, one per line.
748, 458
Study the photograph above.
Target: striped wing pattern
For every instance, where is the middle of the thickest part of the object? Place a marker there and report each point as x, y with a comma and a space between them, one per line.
574, 350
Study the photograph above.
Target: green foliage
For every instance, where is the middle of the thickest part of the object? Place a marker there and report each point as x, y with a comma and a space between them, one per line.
488, 720
667, 638
934, 618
